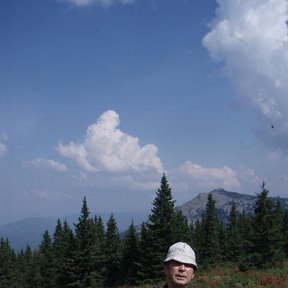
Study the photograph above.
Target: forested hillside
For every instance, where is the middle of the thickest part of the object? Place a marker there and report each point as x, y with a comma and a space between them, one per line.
93, 254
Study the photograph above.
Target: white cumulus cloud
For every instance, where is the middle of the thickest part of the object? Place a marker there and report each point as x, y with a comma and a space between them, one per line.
250, 39
195, 175
106, 148
48, 163
83, 3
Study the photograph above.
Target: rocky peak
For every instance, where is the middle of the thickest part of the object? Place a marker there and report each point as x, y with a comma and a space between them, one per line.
194, 208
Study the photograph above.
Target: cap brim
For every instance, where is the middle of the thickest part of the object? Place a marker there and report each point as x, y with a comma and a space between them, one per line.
182, 259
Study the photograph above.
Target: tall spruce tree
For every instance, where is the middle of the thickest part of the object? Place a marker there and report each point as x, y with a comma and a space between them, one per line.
211, 233
112, 249
129, 257
69, 258
64, 248
160, 228
233, 239
86, 251
58, 247
100, 251
164, 226
265, 240
46, 262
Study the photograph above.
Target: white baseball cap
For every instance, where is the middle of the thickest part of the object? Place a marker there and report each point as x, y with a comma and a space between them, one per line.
181, 252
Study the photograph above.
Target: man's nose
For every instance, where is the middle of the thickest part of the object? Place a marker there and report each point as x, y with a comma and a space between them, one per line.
182, 267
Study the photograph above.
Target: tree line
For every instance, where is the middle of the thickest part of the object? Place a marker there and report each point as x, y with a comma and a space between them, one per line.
90, 254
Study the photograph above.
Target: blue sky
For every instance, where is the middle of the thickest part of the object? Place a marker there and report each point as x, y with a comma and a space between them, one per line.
99, 98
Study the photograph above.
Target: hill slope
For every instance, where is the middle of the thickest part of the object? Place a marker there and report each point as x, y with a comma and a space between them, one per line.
194, 208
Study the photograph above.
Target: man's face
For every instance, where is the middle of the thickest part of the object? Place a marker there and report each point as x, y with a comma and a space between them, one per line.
178, 274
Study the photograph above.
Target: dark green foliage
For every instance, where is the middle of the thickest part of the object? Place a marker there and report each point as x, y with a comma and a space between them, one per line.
112, 250
233, 239
100, 261
46, 262
7, 265
28, 269
266, 238
163, 227
181, 229
197, 233
145, 254
129, 257
87, 247
211, 233
64, 247
244, 225
277, 237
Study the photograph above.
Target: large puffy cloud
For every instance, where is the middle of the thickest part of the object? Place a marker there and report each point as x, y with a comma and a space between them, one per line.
249, 38
107, 149
83, 3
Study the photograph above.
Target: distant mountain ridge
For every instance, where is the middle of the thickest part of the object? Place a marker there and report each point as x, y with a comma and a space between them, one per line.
30, 231
195, 208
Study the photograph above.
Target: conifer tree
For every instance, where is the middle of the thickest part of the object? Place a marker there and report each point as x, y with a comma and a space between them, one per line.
86, 249
265, 238
69, 258
112, 249
100, 251
161, 229
143, 264
198, 239
64, 248
129, 257
46, 262
244, 226
58, 243
28, 269
211, 231
7, 265
276, 233
181, 229
234, 242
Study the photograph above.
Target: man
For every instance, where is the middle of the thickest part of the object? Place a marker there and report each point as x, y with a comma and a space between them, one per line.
179, 265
